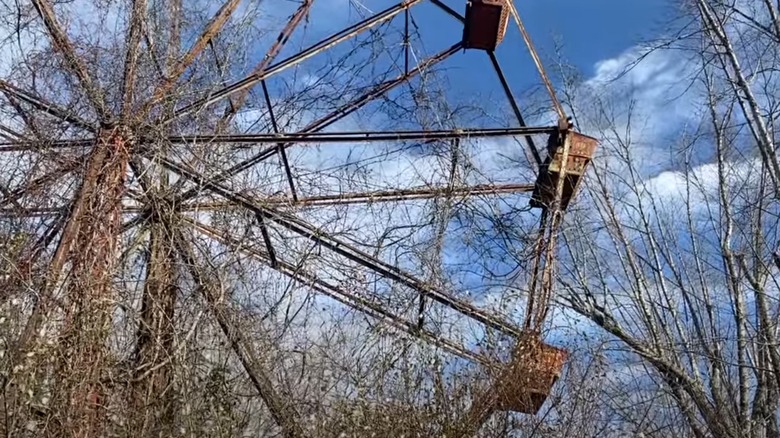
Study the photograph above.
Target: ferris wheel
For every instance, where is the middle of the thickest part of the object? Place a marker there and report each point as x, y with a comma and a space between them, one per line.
148, 168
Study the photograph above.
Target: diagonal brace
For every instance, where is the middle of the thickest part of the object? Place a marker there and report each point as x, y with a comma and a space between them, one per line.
348, 251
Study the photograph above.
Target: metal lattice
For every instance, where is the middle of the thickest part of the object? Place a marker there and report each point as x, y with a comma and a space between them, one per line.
145, 166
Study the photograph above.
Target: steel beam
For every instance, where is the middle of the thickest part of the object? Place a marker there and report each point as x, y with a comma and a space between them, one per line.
255, 78
37, 145
346, 250
363, 136
40, 104
343, 296
132, 43
287, 139
317, 125
318, 201
537, 61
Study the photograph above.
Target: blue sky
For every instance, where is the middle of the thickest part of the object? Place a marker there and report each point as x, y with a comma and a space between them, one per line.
593, 30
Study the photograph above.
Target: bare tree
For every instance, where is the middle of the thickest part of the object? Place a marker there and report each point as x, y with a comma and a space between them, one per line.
681, 270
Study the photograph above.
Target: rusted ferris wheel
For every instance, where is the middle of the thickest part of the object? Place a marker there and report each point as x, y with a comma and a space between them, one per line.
173, 146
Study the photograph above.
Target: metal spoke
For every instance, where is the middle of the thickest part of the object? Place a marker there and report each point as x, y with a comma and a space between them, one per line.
131, 57
375, 197
348, 251
40, 104
273, 52
323, 45
213, 28
72, 60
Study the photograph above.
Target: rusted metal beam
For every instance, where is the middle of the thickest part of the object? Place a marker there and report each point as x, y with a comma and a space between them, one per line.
88, 245
537, 61
304, 137
321, 201
363, 136
131, 56
72, 60
346, 250
213, 28
282, 411
254, 79
41, 105
409, 194
37, 145
343, 296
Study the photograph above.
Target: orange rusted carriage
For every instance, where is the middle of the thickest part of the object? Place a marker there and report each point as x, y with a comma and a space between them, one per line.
524, 385
486, 22
581, 150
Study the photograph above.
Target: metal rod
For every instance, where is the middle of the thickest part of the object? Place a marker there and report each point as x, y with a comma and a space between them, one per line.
556, 213
407, 194
363, 136
406, 41
267, 240
303, 137
317, 125
346, 250
35, 145
321, 201
538, 251
453, 13
44, 106
323, 45
515, 107
280, 146
342, 296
